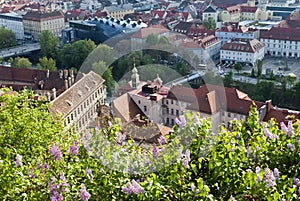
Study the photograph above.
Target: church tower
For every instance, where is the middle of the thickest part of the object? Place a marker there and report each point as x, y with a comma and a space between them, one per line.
135, 77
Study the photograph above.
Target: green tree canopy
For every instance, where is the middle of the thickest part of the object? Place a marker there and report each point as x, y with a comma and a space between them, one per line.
238, 67
73, 55
7, 38
209, 23
20, 62
106, 73
48, 43
152, 39
45, 63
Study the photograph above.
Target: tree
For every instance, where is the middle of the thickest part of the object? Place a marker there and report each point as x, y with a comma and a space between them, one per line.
106, 73
7, 38
48, 43
259, 68
228, 80
181, 68
252, 73
74, 55
20, 62
209, 23
238, 67
152, 39
45, 63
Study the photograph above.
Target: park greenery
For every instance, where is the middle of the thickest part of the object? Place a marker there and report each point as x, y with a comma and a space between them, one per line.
7, 38
39, 160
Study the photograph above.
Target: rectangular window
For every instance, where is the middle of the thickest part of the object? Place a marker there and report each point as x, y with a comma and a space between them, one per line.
177, 112
172, 121
168, 121
172, 111
145, 108
172, 102
229, 114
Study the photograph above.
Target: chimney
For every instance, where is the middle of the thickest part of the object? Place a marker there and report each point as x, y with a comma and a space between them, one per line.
48, 73
61, 73
71, 73
268, 105
65, 74
72, 79
48, 96
54, 93
66, 84
69, 81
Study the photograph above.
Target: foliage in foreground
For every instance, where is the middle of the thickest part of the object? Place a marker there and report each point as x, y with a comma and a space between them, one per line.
38, 161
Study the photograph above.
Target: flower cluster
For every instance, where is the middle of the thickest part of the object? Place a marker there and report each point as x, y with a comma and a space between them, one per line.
18, 160
55, 152
84, 195
57, 188
181, 122
291, 146
185, 158
162, 140
288, 130
193, 187
269, 176
89, 173
268, 134
133, 188
74, 149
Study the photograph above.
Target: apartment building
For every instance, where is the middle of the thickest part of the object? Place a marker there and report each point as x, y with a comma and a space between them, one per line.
35, 22
234, 30
78, 105
242, 51
14, 22
118, 11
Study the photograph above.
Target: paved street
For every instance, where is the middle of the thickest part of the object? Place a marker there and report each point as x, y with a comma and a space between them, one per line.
19, 50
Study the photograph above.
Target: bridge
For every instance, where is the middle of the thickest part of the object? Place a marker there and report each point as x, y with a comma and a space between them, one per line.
19, 50
186, 78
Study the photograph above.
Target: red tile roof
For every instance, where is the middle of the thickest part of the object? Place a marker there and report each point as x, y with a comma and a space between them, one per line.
145, 32
40, 16
248, 9
278, 33
243, 45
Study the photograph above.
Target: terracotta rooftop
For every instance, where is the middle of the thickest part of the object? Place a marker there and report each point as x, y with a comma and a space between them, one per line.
145, 32
243, 45
278, 33
40, 16
17, 78
248, 9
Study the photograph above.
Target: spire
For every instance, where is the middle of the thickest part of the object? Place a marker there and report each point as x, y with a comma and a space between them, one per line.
135, 77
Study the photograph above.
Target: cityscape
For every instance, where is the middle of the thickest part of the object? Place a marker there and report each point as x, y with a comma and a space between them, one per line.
150, 100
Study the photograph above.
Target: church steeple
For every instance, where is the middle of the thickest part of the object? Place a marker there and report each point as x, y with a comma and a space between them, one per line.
135, 77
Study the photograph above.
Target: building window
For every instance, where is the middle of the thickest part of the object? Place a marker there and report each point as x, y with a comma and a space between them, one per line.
223, 113
168, 121
145, 108
167, 102
172, 121
177, 113
167, 110
172, 102
172, 111
229, 114
139, 102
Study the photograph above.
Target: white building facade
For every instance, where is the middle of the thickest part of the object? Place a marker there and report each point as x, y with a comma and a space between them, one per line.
242, 51
13, 22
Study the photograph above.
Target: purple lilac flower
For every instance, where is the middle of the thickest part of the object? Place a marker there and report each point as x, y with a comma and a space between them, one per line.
133, 188
110, 124
55, 152
84, 195
74, 149
298, 191
276, 173
185, 163
268, 134
181, 122
179, 153
56, 196
296, 181
89, 173
64, 180
196, 119
197, 191
269, 178
193, 187
232, 198
18, 160
298, 140
257, 170
162, 140
188, 155
87, 136
249, 150
288, 130
155, 151
121, 137
291, 146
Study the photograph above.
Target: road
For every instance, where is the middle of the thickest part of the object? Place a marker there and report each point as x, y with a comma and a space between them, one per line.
19, 50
